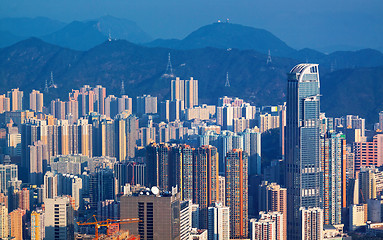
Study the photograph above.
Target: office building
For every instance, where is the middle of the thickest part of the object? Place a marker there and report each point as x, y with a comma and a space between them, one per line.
8, 173
218, 222
358, 216
303, 170
236, 178
59, 221
159, 215
312, 223
185, 219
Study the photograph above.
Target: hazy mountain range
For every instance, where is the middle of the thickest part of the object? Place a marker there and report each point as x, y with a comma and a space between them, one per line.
351, 81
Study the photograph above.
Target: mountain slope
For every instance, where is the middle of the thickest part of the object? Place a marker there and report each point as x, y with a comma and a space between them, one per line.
77, 35
120, 28
30, 27
228, 35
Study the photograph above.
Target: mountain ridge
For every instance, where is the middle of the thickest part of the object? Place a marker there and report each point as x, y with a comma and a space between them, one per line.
28, 64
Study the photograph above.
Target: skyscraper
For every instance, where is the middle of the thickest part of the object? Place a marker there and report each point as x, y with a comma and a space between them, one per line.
236, 177
303, 170
205, 180
334, 176
157, 159
181, 162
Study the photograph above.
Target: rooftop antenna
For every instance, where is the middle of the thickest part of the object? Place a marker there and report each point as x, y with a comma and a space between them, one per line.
227, 83
269, 60
122, 88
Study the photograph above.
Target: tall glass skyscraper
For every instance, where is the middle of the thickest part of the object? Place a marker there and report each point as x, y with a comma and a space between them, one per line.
303, 170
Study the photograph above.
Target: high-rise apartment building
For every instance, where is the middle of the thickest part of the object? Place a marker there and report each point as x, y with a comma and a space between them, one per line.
185, 90
205, 180
5, 103
181, 170
100, 95
16, 224
262, 229
368, 153
312, 223
146, 104
4, 230
303, 170
367, 184
16, 98
36, 101
272, 197
157, 157
59, 221
37, 225
333, 164
38, 158
50, 185
236, 178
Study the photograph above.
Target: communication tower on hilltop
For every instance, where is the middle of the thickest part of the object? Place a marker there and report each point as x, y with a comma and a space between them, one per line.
227, 83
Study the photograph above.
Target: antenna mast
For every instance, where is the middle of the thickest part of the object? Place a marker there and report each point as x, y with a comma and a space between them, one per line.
169, 67
269, 60
122, 88
227, 83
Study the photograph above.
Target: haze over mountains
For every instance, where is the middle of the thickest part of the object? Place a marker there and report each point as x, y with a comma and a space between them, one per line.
348, 78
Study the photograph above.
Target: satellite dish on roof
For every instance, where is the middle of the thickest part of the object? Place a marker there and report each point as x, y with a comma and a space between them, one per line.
155, 190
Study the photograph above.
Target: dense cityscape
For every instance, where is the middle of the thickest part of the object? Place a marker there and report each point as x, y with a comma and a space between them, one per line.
191, 120
97, 165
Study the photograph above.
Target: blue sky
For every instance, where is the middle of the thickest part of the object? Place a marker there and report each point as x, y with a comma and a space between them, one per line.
300, 23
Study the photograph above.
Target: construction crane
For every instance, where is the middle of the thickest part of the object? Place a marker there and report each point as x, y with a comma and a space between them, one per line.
109, 223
